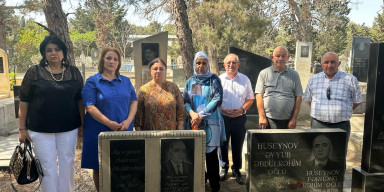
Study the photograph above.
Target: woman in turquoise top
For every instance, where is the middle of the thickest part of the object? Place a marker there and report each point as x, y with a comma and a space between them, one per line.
111, 105
203, 96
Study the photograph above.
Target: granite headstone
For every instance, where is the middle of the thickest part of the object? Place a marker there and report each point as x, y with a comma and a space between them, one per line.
360, 55
177, 165
371, 175
303, 61
144, 49
296, 160
146, 161
4, 74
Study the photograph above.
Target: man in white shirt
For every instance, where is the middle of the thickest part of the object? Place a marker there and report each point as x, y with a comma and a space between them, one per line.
237, 98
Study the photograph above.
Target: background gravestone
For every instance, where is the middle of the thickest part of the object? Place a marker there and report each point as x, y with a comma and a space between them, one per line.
179, 78
303, 61
360, 55
283, 160
250, 65
158, 42
137, 161
371, 175
4, 83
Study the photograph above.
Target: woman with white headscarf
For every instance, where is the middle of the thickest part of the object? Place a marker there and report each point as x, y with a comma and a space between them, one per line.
203, 96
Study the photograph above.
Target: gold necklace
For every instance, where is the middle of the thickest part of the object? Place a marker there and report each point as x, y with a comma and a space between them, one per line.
62, 74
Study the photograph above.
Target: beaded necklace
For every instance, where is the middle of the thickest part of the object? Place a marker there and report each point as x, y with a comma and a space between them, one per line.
62, 74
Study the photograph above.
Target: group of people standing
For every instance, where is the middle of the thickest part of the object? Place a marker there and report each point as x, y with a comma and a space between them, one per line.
54, 101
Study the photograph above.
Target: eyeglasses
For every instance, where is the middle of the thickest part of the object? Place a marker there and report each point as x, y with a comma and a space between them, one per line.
328, 93
199, 63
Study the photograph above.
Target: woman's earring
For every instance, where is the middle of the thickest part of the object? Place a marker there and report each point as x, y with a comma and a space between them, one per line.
46, 62
63, 62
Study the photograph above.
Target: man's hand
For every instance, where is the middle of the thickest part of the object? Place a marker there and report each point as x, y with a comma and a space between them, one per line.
263, 122
292, 124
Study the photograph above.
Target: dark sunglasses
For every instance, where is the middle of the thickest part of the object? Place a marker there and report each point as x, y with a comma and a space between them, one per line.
329, 93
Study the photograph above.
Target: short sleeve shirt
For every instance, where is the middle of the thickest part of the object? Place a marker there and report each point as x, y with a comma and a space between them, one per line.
279, 91
236, 91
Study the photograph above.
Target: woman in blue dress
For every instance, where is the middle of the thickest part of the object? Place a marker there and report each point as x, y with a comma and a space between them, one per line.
203, 96
111, 105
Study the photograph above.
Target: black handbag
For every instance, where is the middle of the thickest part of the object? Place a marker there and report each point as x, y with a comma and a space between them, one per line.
24, 166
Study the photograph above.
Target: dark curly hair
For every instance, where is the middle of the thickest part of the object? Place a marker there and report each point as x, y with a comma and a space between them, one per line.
54, 39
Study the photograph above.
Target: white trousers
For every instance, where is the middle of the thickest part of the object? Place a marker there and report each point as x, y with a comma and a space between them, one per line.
51, 148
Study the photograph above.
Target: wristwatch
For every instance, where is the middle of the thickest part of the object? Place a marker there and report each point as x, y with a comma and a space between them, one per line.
244, 111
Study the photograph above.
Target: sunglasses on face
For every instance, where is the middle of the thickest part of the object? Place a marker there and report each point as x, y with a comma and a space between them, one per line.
328, 93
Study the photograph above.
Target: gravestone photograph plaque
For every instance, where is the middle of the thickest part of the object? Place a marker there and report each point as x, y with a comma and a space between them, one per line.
152, 161
177, 165
127, 165
296, 160
150, 51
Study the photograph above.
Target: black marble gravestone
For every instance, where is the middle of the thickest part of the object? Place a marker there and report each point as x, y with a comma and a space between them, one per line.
360, 54
177, 166
127, 165
296, 160
16, 99
251, 65
372, 162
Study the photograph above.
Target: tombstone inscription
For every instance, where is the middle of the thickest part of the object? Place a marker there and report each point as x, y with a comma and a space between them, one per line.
296, 160
360, 55
127, 165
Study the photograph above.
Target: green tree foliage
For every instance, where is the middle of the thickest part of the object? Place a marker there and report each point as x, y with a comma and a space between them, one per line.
27, 46
82, 42
377, 31
216, 25
84, 19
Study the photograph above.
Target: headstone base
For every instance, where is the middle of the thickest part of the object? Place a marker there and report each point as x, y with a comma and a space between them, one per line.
363, 181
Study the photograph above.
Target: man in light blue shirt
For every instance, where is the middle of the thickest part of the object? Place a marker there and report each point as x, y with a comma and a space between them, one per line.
332, 95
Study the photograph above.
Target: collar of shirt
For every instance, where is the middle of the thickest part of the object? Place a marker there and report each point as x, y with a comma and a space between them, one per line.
336, 76
100, 77
229, 78
276, 71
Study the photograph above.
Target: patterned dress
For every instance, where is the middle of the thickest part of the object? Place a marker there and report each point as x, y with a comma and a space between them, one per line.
159, 109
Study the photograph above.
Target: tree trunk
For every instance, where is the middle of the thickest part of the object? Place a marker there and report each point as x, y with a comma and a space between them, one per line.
3, 39
57, 22
184, 34
213, 60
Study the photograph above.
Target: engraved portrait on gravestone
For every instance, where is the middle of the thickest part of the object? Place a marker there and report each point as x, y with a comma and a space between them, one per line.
304, 51
321, 149
150, 51
177, 168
